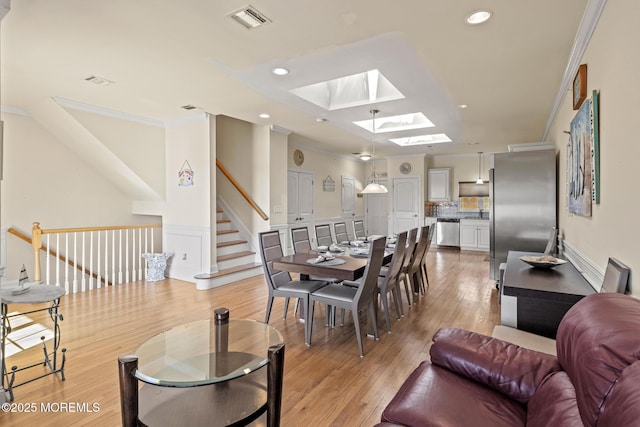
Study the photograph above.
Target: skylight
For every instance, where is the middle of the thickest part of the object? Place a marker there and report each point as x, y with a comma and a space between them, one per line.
437, 138
396, 123
350, 91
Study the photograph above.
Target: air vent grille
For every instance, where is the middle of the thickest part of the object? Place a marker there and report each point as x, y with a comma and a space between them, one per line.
189, 107
249, 17
100, 81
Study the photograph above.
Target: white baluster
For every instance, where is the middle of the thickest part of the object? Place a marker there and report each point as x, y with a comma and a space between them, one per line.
48, 258
90, 260
58, 262
119, 257
113, 256
99, 278
126, 256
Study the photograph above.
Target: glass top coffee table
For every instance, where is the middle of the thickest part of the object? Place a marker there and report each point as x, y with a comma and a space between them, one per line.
209, 372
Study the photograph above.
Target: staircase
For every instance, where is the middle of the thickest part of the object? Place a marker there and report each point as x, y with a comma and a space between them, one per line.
236, 260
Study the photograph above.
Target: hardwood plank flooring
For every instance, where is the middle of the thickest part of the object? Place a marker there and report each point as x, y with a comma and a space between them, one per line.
326, 384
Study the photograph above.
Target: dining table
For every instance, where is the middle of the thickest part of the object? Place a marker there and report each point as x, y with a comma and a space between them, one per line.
350, 265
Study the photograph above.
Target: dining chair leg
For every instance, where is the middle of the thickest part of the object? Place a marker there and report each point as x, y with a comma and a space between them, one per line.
308, 322
356, 324
295, 307
286, 308
406, 290
385, 309
268, 313
397, 301
373, 318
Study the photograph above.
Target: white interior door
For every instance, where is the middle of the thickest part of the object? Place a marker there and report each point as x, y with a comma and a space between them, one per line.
406, 203
348, 197
377, 214
299, 197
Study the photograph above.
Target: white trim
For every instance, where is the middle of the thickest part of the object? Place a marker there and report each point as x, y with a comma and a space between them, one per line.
591, 273
185, 120
245, 233
280, 129
588, 24
193, 241
75, 105
10, 109
406, 156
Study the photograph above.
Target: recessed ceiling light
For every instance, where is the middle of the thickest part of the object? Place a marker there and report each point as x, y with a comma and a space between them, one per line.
396, 123
365, 157
437, 138
320, 119
478, 17
280, 71
264, 116
462, 106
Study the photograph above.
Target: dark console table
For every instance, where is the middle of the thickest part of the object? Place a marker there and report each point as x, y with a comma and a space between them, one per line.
535, 300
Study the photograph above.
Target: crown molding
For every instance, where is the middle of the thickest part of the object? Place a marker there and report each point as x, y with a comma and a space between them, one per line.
588, 24
188, 119
10, 109
328, 153
75, 105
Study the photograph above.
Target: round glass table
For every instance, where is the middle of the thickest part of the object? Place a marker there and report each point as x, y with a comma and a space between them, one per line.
209, 372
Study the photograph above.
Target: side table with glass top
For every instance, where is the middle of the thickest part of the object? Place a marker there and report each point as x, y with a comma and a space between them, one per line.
215, 372
36, 294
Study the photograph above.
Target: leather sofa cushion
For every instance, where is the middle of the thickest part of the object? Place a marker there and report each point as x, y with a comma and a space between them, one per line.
436, 397
597, 339
512, 370
622, 407
554, 404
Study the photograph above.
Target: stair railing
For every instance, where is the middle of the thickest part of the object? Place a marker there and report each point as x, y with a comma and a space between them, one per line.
244, 194
81, 259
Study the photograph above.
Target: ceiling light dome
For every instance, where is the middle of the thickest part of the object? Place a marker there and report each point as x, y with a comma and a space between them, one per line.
478, 17
365, 157
280, 71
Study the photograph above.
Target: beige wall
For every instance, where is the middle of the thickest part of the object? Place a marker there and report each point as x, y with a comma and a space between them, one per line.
140, 146
328, 204
278, 178
243, 149
45, 181
613, 60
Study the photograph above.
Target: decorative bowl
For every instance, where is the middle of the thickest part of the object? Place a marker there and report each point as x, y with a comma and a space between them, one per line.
542, 262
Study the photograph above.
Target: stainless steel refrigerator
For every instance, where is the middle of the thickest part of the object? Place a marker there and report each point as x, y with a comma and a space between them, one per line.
523, 203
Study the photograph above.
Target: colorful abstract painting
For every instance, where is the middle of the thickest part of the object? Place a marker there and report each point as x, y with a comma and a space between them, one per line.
579, 162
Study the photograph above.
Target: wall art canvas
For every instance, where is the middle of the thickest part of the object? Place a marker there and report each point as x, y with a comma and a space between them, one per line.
579, 162
595, 147
185, 175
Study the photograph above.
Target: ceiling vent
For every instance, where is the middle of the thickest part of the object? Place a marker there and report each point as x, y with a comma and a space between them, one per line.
249, 17
100, 81
189, 107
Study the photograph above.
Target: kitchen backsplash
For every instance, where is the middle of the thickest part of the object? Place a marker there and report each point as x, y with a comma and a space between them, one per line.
465, 208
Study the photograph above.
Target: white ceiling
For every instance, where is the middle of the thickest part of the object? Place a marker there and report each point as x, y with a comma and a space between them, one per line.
163, 54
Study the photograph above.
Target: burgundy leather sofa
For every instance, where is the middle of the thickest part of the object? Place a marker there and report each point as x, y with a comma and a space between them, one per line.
475, 380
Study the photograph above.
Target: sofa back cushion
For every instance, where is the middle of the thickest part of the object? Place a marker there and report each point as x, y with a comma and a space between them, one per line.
597, 340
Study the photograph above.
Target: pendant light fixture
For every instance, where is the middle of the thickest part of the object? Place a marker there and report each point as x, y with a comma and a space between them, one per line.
479, 180
374, 187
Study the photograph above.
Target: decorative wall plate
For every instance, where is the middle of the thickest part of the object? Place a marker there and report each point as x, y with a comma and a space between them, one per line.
405, 168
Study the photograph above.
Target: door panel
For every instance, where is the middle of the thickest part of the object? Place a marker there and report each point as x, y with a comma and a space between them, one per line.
348, 197
377, 213
406, 204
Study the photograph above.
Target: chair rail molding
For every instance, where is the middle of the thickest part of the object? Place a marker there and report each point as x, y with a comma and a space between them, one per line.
584, 265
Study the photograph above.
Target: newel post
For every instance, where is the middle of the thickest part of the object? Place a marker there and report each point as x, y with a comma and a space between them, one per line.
36, 242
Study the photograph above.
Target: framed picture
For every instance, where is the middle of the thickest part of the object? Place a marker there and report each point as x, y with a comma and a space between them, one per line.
580, 86
595, 147
579, 163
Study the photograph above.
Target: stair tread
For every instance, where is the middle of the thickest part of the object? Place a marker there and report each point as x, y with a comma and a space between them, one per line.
230, 243
220, 232
223, 221
226, 271
219, 211
235, 255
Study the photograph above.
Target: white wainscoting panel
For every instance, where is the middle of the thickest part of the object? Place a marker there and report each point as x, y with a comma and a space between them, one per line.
191, 251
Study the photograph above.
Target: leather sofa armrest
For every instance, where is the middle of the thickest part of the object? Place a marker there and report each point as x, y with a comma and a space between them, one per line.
512, 370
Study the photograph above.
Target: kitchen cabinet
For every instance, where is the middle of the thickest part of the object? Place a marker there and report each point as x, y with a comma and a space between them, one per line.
439, 185
474, 235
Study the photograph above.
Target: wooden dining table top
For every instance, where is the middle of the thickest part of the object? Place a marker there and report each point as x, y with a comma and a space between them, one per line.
352, 269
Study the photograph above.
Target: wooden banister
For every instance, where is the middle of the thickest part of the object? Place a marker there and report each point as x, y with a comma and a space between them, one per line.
37, 246
244, 194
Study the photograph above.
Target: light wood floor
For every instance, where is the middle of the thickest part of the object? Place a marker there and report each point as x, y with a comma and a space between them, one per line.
326, 384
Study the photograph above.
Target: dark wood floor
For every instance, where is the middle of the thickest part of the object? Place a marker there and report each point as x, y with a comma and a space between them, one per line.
326, 384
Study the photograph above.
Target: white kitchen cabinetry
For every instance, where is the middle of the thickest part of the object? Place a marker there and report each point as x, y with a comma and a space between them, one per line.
439, 185
474, 235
